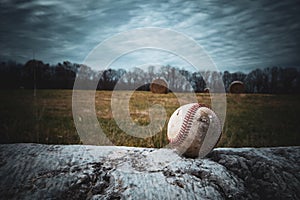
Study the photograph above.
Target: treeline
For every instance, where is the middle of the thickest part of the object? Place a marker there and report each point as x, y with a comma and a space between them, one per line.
36, 74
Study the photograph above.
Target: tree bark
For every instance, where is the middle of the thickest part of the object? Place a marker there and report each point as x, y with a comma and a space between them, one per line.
35, 171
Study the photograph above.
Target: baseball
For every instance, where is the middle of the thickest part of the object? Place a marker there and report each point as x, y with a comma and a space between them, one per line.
194, 130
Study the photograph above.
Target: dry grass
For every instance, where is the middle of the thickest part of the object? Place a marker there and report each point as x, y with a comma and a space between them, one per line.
251, 120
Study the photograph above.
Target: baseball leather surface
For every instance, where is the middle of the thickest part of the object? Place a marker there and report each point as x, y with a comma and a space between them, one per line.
194, 130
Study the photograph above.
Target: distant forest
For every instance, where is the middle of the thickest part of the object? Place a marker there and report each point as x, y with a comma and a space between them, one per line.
36, 74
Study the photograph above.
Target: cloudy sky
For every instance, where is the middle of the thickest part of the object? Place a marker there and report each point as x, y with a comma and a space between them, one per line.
237, 35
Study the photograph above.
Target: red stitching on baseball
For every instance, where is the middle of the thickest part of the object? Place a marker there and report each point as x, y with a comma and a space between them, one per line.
187, 124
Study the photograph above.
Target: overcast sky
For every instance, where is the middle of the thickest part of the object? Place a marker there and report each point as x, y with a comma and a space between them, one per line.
237, 35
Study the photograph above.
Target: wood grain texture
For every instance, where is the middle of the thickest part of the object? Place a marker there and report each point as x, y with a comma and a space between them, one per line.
35, 171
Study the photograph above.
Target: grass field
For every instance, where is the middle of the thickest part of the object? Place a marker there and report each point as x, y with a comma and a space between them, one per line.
252, 119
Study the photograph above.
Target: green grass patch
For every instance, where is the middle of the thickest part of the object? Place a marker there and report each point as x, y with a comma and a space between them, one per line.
253, 120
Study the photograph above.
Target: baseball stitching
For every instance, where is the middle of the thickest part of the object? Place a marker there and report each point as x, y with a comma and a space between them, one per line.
187, 124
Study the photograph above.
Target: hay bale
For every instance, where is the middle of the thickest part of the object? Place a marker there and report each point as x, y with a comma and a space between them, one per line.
32, 65
206, 90
237, 87
159, 86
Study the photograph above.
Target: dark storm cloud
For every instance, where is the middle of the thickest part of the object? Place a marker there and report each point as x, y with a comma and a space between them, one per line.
238, 35
248, 34
56, 30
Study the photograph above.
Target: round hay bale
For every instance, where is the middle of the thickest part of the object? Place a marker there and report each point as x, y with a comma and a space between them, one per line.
159, 86
206, 90
32, 65
237, 87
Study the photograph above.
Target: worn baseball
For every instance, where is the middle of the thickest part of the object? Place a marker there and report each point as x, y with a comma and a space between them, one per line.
194, 130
